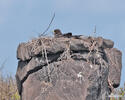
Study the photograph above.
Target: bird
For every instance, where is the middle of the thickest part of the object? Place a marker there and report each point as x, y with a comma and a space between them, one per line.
58, 34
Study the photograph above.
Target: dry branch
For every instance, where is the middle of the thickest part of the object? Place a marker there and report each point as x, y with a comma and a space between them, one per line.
43, 34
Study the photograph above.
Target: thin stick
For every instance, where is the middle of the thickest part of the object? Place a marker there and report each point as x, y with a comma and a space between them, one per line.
48, 26
2, 66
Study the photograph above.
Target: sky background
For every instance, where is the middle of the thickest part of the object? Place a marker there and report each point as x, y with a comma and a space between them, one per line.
22, 20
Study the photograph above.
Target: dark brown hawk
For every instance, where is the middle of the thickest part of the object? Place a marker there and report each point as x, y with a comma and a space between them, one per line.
58, 34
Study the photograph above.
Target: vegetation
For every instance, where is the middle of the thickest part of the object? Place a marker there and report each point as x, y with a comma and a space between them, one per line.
8, 88
119, 94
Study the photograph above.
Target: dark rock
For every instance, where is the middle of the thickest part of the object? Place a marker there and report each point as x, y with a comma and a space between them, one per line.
67, 68
67, 35
28, 50
115, 64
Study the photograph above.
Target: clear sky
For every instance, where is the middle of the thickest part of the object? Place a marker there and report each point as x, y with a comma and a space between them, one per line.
21, 20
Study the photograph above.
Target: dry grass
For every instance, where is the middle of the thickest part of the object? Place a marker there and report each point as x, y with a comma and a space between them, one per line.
8, 88
119, 94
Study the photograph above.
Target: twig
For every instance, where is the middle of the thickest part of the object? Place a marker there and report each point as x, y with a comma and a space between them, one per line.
94, 31
48, 26
44, 53
91, 48
111, 85
2, 66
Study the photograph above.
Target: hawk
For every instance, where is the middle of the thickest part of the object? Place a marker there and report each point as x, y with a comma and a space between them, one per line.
58, 34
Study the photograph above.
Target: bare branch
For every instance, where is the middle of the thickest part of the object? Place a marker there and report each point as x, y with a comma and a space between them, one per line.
2, 65
95, 29
48, 26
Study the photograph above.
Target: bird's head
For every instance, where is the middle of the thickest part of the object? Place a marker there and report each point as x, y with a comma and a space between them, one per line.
57, 31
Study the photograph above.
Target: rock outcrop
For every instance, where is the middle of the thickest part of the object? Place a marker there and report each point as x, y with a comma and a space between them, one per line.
85, 68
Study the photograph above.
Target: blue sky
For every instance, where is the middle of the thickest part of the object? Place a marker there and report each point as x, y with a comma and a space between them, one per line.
22, 20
